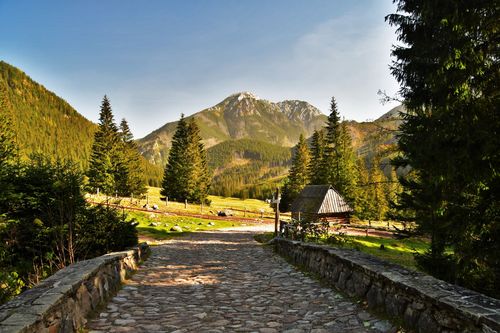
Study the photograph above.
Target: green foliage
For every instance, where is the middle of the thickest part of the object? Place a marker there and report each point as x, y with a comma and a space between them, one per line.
316, 167
448, 67
104, 230
339, 160
104, 164
130, 175
186, 175
115, 164
42, 122
298, 176
47, 225
247, 168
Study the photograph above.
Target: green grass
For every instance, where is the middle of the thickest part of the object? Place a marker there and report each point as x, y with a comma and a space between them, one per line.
398, 251
238, 206
166, 222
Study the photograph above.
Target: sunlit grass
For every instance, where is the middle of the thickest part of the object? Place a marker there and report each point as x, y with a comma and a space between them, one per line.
158, 226
254, 208
398, 251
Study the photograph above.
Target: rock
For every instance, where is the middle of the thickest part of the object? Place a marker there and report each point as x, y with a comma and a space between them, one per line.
123, 322
176, 228
200, 315
154, 224
211, 223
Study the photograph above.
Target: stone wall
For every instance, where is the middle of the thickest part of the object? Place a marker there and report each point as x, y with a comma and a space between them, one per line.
420, 302
62, 302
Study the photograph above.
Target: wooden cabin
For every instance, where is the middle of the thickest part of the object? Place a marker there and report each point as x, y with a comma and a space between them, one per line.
321, 202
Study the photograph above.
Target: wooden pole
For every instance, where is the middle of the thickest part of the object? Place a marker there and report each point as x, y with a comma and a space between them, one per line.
277, 214
186, 204
166, 201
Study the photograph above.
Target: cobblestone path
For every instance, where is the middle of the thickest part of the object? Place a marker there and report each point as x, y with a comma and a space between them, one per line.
226, 282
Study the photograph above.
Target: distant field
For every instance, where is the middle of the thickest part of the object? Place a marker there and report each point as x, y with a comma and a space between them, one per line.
154, 226
254, 208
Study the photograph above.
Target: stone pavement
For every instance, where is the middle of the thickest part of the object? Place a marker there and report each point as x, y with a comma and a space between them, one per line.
227, 282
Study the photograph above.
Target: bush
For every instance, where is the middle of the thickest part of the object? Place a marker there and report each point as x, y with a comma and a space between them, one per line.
103, 231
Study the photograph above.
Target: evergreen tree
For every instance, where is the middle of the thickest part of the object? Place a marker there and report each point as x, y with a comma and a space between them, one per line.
199, 180
363, 208
348, 171
333, 155
8, 151
448, 68
339, 161
298, 176
317, 171
186, 175
175, 175
104, 160
7, 142
130, 178
376, 191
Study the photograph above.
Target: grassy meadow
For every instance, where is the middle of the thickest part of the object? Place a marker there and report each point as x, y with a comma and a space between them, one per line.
153, 226
254, 208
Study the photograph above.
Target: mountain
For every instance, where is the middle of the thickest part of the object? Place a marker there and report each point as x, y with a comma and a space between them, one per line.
249, 141
43, 122
242, 115
46, 124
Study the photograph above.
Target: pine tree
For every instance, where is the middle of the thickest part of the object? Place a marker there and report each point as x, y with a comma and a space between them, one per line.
8, 151
363, 208
104, 164
377, 194
130, 175
333, 154
447, 65
175, 176
199, 180
317, 171
186, 175
339, 161
298, 177
348, 171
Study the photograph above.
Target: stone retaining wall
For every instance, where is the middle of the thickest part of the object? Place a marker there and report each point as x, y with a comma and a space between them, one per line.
421, 302
62, 302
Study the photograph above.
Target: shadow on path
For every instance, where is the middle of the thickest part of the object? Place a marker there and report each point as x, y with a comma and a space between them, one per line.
227, 282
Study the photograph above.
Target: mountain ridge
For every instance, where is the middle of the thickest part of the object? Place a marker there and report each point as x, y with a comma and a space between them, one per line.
241, 115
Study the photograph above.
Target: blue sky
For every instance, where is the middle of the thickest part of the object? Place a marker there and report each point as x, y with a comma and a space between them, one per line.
157, 59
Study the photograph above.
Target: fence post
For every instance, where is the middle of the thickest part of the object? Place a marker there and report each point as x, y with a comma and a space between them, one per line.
277, 214
166, 201
185, 203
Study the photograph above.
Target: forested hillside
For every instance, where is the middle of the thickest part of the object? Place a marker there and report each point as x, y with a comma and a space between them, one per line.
43, 122
247, 168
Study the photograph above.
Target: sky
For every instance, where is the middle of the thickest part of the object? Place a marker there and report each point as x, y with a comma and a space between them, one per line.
157, 59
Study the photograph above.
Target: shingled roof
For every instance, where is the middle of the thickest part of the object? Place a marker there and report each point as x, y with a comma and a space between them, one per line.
320, 199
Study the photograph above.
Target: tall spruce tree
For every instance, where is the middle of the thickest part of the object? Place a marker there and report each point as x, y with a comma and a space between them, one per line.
130, 179
448, 68
317, 171
339, 161
186, 175
199, 181
104, 160
298, 176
